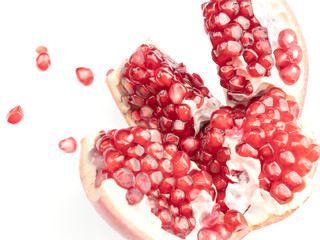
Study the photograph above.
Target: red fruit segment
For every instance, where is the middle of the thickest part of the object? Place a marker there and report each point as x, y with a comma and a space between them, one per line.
43, 61
84, 75
15, 115
68, 145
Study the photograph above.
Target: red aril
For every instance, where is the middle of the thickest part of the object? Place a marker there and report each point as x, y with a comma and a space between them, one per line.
43, 61
68, 145
84, 75
15, 115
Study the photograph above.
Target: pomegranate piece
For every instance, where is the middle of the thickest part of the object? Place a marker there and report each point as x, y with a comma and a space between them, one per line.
43, 61
15, 115
85, 75
68, 145
243, 52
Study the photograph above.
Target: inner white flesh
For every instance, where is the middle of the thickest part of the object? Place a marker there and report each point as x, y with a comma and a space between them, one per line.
271, 15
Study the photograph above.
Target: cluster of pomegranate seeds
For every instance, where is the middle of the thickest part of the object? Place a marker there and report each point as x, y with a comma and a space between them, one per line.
68, 145
85, 75
266, 130
288, 56
146, 162
155, 88
235, 32
43, 60
15, 115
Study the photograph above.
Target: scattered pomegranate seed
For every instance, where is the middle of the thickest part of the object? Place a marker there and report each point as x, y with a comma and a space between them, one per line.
43, 61
68, 145
84, 75
41, 49
15, 115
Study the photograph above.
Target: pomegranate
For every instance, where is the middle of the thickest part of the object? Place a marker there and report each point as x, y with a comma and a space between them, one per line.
189, 168
256, 44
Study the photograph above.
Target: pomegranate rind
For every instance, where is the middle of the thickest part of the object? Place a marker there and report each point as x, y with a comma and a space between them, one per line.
137, 222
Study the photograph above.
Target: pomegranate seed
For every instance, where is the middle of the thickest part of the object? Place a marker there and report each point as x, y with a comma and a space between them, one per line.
287, 38
166, 218
303, 166
256, 137
281, 58
181, 164
235, 221
133, 164
84, 75
68, 145
183, 112
181, 226
208, 234
143, 182
43, 61
156, 178
177, 93
184, 183
290, 75
272, 170
167, 185
123, 139
15, 115
41, 49
222, 231
177, 196
293, 180
133, 196
295, 54
280, 192
313, 152
202, 179
221, 119
113, 159
124, 178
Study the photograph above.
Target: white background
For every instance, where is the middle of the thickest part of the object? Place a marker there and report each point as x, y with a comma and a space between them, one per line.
41, 194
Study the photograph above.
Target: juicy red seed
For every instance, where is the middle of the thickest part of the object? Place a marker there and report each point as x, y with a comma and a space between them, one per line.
208, 234
181, 164
264, 181
266, 61
220, 183
245, 150
287, 38
41, 49
135, 150
154, 204
233, 32
262, 47
260, 33
299, 144
43, 61
256, 69
216, 38
166, 166
237, 84
214, 167
177, 93
221, 119
303, 166
218, 20
133, 165
250, 56
247, 40
138, 75
162, 97
222, 231
15, 115
280, 192
148, 163
113, 159
143, 182
223, 154
137, 58
295, 54
280, 139
202, 179
281, 58
290, 75
272, 170
167, 185
235, 221
211, 219
171, 139
68, 145
84, 75
214, 140
166, 218
256, 108
229, 49
190, 144
293, 180
177, 196
164, 78
246, 9
184, 183
183, 112
227, 72
155, 150
141, 135
243, 22
313, 153
123, 139
156, 178
124, 178
256, 137
266, 152
133, 196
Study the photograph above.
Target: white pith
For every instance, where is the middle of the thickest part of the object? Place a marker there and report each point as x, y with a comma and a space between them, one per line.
275, 16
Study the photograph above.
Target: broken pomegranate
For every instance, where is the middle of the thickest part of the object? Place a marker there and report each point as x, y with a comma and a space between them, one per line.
68, 145
15, 115
84, 75
189, 168
256, 45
